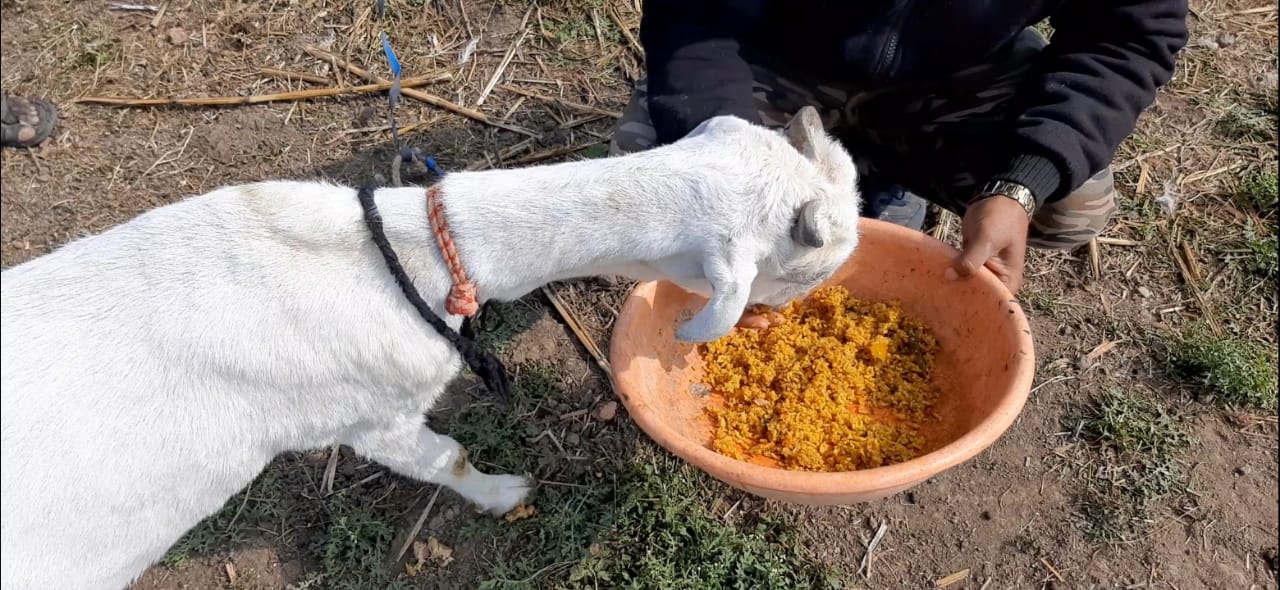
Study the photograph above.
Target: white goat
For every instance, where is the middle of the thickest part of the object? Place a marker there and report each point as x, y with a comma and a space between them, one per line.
150, 372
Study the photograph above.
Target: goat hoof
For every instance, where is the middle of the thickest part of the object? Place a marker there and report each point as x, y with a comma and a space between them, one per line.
503, 493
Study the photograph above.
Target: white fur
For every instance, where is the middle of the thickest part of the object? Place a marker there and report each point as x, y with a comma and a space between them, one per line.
150, 372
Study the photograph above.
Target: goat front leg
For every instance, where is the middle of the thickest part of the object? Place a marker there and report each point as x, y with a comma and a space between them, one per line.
411, 449
730, 274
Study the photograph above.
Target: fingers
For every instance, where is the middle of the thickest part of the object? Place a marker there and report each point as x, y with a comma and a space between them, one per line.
753, 321
994, 233
1014, 283
974, 256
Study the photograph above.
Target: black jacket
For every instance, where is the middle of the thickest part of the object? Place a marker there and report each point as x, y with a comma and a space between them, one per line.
1102, 68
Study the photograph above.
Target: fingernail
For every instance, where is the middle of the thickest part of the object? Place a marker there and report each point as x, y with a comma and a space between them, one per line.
950, 274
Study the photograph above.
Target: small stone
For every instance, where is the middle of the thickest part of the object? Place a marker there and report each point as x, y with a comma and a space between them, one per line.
1084, 363
436, 523
611, 282
572, 439
607, 411
451, 513
1225, 39
1271, 80
365, 117
1144, 292
1168, 200
177, 36
1243, 470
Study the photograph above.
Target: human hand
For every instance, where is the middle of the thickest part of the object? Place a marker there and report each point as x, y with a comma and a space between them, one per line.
995, 235
759, 317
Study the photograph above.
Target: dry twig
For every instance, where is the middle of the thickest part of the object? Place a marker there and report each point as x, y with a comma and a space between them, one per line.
330, 471
1118, 242
287, 75
1194, 287
551, 153
417, 526
430, 99
576, 326
586, 108
953, 578
865, 568
506, 59
257, 98
626, 32
1052, 570
1095, 260
132, 7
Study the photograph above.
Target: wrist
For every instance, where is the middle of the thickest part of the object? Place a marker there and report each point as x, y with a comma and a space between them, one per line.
1038, 173
1005, 189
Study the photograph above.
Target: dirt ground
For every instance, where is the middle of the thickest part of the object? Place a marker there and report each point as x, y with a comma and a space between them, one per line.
1024, 514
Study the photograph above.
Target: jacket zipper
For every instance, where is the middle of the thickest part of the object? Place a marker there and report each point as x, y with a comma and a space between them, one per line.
889, 53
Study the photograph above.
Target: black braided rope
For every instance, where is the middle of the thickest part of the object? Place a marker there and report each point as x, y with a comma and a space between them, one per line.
483, 364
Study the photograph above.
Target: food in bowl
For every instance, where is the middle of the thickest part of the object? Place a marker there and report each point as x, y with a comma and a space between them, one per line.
835, 384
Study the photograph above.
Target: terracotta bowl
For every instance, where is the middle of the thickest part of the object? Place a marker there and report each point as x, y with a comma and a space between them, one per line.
984, 369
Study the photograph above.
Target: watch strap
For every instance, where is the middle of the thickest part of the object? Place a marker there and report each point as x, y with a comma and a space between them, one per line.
1008, 189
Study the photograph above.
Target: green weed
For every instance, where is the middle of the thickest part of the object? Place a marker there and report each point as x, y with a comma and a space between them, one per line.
1247, 118
1140, 443
96, 54
353, 551
1232, 370
663, 536
1261, 242
499, 322
1259, 190
643, 524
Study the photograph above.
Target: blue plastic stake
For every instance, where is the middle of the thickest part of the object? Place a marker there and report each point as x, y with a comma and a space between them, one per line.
393, 96
391, 55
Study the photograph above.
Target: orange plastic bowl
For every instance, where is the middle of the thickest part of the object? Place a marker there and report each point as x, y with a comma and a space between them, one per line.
985, 366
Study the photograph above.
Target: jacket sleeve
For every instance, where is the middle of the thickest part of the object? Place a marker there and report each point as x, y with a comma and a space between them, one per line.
1102, 68
695, 71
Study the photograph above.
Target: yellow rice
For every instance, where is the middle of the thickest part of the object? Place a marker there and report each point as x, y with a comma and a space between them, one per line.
841, 384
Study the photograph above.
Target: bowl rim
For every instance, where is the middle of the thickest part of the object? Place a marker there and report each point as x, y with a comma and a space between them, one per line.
899, 475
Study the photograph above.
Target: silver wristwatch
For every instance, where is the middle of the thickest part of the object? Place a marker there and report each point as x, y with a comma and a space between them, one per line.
1012, 190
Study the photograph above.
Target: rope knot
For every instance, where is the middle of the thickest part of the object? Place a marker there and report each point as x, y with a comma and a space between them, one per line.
462, 300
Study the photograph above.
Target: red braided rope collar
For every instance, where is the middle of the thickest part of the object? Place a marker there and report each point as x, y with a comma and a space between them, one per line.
462, 297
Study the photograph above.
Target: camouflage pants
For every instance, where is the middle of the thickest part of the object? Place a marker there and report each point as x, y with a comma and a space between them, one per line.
926, 139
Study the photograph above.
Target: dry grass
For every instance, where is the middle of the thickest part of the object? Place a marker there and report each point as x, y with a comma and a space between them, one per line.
547, 88
561, 71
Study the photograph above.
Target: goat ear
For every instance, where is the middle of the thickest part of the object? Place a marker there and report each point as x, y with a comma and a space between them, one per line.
803, 131
807, 229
